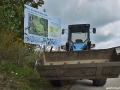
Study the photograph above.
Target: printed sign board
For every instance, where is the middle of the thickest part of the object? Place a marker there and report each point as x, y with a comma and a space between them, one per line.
41, 28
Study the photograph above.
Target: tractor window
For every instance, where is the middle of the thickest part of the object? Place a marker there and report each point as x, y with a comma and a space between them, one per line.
78, 37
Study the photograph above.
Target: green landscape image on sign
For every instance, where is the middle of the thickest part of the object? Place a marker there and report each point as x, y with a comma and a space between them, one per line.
54, 32
37, 25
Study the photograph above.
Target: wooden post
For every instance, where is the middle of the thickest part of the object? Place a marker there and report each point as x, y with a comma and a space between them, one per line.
51, 48
44, 48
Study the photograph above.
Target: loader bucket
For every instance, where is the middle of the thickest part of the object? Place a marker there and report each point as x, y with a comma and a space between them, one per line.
91, 56
88, 64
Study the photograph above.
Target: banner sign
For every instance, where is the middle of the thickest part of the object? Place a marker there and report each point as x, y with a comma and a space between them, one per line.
41, 28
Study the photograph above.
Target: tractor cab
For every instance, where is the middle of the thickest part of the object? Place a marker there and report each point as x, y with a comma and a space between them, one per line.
79, 37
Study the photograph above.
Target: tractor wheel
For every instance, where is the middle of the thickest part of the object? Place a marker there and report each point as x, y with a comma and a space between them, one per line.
99, 82
57, 83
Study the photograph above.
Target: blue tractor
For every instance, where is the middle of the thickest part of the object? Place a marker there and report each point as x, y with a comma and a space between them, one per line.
78, 61
78, 37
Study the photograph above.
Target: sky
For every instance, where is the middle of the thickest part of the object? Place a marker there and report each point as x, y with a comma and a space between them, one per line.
104, 15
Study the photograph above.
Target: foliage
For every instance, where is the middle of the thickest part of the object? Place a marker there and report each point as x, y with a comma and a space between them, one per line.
12, 14
17, 64
13, 49
16, 77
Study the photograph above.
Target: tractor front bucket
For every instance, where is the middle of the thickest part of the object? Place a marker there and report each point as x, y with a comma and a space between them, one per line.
80, 56
88, 64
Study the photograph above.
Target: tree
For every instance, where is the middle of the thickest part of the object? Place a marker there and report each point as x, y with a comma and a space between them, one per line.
12, 14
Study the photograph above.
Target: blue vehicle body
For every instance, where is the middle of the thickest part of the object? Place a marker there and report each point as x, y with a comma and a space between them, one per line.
74, 32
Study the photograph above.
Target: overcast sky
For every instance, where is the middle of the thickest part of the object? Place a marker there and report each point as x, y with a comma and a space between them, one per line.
104, 15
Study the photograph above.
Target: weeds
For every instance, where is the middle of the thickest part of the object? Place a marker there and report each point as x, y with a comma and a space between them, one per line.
17, 65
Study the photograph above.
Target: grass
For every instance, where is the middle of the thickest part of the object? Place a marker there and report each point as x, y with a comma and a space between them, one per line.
17, 71
22, 78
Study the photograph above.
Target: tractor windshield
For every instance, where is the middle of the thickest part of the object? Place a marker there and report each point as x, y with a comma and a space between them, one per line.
78, 34
79, 37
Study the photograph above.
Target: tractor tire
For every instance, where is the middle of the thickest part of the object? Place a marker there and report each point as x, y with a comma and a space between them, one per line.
99, 82
57, 83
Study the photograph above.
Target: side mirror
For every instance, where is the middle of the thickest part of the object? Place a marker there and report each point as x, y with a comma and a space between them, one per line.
63, 31
94, 30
